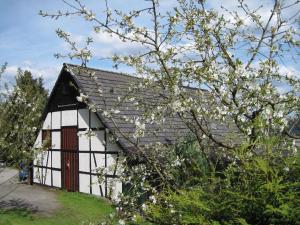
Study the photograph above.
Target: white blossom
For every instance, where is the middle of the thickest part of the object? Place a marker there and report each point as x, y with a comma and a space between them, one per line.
153, 199
144, 207
82, 97
121, 222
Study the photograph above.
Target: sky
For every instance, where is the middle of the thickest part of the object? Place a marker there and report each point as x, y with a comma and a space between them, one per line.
28, 41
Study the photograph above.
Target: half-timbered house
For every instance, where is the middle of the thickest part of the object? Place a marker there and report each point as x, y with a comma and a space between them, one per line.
72, 157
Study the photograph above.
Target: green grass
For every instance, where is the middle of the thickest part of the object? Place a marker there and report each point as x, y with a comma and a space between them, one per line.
76, 209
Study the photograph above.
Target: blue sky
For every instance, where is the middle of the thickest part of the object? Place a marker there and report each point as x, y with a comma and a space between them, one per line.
28, 40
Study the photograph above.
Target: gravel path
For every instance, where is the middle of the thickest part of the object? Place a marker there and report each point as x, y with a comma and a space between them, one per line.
16, 195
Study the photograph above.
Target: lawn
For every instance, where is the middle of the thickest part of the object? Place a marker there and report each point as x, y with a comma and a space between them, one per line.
77, 209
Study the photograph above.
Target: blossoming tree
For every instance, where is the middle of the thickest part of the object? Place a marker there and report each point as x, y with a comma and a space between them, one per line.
20, 118
232, 60
2, 86
236, 57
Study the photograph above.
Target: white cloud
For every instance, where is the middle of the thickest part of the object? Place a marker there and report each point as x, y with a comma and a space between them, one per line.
11, 70
233, 6
264, 9
105, 45
167, 5
27, 63
48, 73
79, 39
289, 71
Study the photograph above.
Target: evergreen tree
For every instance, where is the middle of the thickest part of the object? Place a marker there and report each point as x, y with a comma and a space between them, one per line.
20, 117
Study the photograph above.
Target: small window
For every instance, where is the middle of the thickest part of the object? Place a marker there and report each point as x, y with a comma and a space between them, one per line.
46, 139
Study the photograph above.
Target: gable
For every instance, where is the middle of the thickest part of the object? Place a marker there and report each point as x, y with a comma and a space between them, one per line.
63, 96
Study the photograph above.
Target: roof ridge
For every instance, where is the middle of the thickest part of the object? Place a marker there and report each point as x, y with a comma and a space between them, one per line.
128, 75
101, 70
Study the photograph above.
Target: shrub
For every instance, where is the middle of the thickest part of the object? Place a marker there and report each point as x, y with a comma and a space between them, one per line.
257, 189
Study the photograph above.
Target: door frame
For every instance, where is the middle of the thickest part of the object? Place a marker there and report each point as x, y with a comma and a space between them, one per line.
62, 159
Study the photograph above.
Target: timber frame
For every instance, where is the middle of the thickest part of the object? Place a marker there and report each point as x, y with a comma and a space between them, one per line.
58, 105
74, 80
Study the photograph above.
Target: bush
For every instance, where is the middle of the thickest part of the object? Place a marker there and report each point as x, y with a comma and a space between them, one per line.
250, 185
257, 189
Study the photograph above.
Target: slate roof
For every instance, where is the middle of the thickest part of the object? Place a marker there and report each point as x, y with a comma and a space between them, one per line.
114, 85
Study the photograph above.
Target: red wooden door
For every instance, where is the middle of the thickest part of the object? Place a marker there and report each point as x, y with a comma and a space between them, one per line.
69, 151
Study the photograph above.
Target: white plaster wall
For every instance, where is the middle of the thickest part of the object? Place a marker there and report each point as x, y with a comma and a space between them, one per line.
37, 176
84, 162
84, 183
37, 160
95, 186
56, 178
55, 120
95, 122
38, 141
41, 159
83, 141
118, 190
83, 118
56, 160
69, 118
100, 160
47, 159
43, 175
47, 176
56, 140
47, 122
114, 188
111, 162
97, 141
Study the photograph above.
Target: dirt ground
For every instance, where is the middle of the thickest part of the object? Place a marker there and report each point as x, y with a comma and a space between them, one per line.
16, 195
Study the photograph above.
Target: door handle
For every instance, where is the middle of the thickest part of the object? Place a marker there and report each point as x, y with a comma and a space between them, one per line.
68, 164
